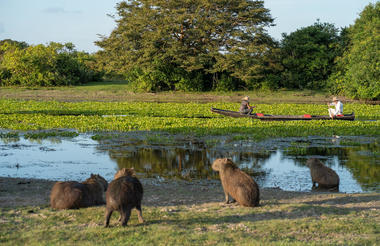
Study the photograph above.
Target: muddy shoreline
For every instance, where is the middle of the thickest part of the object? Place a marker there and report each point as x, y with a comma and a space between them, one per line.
16, 192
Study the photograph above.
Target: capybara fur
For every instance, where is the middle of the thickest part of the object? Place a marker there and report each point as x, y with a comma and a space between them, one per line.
72, 194
236, 183
124, 193
324, 176
125, 172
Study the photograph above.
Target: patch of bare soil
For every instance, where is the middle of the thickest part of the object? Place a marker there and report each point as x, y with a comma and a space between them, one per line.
34, 192
72, 95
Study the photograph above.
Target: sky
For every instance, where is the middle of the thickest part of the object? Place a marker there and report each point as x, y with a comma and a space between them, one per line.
81, 21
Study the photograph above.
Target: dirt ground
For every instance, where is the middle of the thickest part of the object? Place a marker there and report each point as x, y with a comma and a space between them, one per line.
16, 192
74, 95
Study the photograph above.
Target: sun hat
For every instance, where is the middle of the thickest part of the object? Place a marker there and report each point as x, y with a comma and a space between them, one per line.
246, 98
335, 99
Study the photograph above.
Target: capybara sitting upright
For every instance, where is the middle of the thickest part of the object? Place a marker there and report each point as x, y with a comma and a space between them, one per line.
124, 193
324, 176
236, 183
72, 194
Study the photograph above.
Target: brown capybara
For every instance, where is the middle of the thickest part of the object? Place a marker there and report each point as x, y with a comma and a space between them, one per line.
236, 183
124, 193
324, 176
72, 194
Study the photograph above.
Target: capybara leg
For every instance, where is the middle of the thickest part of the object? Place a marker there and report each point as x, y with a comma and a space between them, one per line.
139, 213
108, 216
227, 197
125, 214
334, 189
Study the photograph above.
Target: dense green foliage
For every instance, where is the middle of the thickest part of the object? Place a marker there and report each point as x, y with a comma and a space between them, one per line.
358, 74
171, 117
208, 45
188, 45
40, 65
307, 56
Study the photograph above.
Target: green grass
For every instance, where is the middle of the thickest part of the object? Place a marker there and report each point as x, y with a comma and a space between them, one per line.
207, 224
120, 91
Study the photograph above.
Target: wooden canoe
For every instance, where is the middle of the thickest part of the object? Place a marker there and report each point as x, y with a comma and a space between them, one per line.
282, 117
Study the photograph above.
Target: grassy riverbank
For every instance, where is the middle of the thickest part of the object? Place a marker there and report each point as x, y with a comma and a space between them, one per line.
180, 212
108, 91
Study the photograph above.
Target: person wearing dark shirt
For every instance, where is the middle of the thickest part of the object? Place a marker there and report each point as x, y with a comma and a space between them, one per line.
245, 108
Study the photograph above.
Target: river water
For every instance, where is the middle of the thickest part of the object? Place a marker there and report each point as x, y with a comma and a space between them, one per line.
277, 163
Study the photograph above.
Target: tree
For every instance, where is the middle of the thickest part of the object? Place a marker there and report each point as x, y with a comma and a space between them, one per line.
308, 54
40, 65
358, 74
200, 38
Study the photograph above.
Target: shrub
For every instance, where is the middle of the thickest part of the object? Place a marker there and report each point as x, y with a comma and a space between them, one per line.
40, 65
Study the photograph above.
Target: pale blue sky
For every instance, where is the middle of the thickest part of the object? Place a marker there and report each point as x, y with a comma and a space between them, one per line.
79, 21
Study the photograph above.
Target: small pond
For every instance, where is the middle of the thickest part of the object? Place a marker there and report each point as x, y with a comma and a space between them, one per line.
273, 163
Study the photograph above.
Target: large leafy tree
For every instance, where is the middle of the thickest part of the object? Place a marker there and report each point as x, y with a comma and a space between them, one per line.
211, 37
41, 65
358, 74
308, 54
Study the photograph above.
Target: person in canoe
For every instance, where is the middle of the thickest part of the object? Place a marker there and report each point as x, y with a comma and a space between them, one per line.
245, 108
338, 107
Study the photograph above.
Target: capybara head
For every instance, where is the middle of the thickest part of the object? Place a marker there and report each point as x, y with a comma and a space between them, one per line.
314, 163
222, 163
96, 178
125, 172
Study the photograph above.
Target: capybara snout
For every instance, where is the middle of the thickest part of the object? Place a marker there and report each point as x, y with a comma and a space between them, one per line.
236, 183
72, 194
124, 193
324, 176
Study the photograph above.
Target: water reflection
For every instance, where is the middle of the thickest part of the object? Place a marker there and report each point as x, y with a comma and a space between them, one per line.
357, 163
182, 162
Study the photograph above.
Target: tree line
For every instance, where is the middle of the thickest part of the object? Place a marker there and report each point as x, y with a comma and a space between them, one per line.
204, 45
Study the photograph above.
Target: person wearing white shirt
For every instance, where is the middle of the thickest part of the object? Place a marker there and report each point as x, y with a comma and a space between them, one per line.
338, 107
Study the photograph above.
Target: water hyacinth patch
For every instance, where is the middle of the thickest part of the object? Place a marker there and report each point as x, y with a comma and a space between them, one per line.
186, 118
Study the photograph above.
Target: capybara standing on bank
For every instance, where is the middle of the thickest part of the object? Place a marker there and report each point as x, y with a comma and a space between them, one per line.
236, 183
72, 194
324, 176
124, 193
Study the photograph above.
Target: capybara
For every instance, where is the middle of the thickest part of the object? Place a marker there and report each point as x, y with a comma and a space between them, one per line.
236, 183
324, 176
72, 194
124, 193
